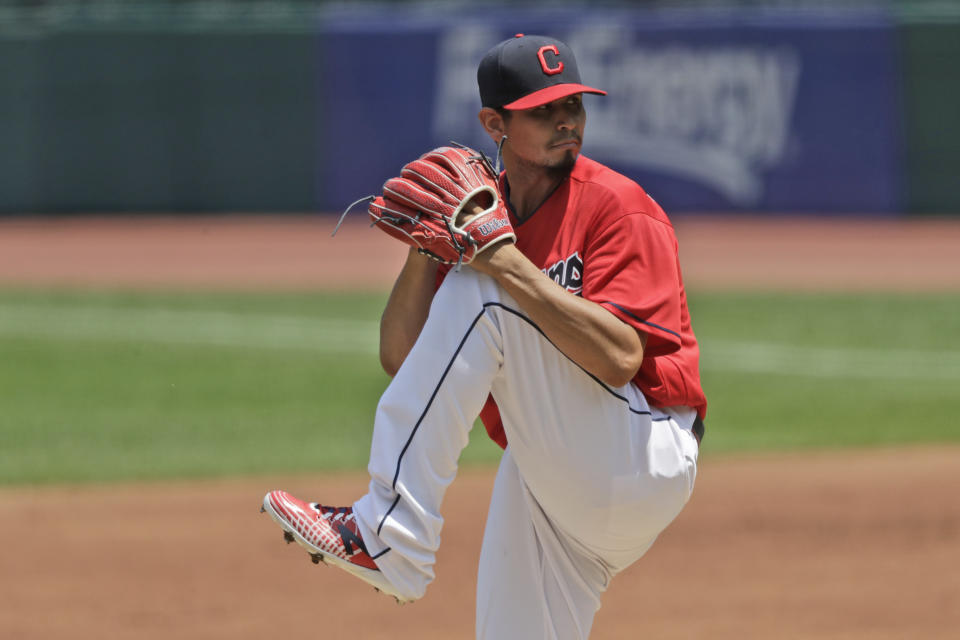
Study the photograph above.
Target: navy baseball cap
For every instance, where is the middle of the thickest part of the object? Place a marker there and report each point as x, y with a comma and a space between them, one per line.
528, 71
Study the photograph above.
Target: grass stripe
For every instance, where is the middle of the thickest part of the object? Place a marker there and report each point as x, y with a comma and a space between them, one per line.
830, 362
172, 326
342, 336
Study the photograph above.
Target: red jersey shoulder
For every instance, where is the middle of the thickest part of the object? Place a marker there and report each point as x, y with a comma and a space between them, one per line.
601, 185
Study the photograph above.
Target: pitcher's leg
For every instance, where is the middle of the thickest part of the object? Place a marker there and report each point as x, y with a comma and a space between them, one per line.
533, 583
602, 464
421, 427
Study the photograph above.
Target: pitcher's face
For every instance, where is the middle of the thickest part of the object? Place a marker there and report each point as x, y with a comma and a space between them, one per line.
548, 137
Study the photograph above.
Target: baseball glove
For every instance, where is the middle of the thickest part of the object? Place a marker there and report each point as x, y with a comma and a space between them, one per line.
429, 205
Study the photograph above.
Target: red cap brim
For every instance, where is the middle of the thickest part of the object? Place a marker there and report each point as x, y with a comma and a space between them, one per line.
549, 94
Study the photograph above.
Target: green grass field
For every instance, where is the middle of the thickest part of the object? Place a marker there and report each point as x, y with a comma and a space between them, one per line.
104, 386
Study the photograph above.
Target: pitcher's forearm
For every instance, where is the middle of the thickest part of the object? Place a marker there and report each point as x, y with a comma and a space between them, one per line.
406, 310
587, 333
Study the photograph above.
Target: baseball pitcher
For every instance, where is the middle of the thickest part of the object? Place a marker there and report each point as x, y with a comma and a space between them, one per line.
548, 300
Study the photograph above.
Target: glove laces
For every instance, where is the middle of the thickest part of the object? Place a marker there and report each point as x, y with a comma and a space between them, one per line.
344, 214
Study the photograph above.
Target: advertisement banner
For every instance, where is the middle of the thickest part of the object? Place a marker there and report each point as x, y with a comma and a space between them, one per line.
723, 111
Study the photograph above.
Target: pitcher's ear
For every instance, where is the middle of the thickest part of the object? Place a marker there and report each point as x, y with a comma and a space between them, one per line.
492, 123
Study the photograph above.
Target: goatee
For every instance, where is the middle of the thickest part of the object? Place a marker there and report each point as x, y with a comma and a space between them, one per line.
563, 168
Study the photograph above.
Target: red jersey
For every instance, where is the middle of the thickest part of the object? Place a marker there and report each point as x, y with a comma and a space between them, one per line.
600, 236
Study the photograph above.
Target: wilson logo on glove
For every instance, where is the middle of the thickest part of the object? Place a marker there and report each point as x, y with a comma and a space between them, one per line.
490, 227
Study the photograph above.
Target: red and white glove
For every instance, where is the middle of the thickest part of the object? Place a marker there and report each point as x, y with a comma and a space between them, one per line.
425, 206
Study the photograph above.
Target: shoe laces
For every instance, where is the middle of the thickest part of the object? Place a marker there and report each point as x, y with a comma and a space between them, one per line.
343, 514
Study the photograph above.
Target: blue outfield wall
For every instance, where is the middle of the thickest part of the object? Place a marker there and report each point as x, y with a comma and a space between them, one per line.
709, 111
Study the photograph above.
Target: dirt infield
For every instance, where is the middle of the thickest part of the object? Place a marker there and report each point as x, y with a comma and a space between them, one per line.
298, 253
835, 545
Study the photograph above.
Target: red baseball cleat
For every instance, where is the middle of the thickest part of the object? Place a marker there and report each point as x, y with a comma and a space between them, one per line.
329, 534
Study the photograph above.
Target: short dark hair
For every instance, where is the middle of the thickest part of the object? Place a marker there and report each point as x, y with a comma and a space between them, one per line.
506, 114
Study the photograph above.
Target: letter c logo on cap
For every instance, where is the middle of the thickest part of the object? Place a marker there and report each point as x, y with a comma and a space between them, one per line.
547, 69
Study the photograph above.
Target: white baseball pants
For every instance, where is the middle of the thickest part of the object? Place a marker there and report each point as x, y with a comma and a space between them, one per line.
591, 475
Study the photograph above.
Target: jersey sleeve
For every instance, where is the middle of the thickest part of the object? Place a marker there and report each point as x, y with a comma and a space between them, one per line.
631, 268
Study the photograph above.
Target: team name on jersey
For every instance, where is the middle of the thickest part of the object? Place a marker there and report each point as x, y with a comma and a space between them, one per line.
568, 273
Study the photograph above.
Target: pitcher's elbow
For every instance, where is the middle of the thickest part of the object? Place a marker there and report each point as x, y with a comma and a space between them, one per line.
390, 362
622, 370
618, 378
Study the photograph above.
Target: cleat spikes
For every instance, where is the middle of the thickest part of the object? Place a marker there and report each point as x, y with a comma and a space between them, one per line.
329, 535
262, 509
